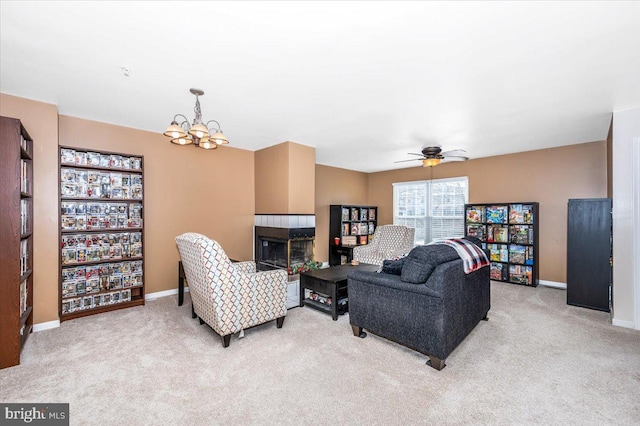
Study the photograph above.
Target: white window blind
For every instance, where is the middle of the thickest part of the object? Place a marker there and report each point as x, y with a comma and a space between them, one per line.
434, 208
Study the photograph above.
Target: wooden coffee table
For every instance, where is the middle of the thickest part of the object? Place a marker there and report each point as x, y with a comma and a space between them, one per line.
331, 282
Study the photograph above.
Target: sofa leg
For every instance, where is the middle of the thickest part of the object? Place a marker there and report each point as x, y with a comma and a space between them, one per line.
486, 318
226, 340
201, 321
279, 322
193, 312
436, 363
357, 331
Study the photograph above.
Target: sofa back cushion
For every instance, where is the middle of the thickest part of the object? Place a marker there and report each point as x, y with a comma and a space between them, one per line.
422, 260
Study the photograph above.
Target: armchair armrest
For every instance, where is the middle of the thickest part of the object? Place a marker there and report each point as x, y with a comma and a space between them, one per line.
278, 276
395, 253
247, 267
365, 250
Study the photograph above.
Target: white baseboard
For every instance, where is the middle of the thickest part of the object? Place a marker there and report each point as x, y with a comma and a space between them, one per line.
622, 323
165, 293
150, 296
553, 284
46, 325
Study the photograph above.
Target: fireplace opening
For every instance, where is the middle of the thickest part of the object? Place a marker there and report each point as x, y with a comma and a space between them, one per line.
273, 252
280, 248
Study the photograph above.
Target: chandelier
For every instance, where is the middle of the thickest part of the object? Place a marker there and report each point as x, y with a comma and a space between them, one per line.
198, 133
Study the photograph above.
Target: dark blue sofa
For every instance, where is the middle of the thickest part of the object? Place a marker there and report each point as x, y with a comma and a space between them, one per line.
424, 301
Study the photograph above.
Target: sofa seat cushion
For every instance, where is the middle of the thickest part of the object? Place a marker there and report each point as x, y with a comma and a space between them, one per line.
422, 260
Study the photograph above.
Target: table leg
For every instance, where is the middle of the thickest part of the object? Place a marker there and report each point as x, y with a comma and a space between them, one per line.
301, 291
334, 301
180, 284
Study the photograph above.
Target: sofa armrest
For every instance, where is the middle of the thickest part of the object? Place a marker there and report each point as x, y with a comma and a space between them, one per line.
466, 299
404, 312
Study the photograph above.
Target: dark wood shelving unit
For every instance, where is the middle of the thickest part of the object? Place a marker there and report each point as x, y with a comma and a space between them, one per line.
354, 222
99, 231
101, 262
324, 307
99, 193
16, 250
510, 232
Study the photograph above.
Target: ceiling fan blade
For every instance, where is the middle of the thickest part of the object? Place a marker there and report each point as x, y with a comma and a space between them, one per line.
454, 153
413, 159
454, 158
413, 153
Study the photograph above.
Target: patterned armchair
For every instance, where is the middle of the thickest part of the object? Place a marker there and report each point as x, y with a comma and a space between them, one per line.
230, 297
389, 241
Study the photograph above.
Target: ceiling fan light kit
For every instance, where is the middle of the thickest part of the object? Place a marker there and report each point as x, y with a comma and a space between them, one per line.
197, 133
430, 162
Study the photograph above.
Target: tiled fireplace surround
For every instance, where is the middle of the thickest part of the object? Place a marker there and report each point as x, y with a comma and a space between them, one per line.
285, 220
290, 222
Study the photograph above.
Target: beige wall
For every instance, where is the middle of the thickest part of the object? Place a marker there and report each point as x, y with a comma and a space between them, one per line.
335, 186
302, 179
272, 180
41, 121
285, 179
549, 176
215, 192
186, 189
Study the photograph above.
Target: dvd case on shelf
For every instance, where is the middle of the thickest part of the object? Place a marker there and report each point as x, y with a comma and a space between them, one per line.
496, 214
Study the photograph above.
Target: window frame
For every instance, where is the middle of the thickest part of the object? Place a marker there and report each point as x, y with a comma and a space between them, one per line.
426, 219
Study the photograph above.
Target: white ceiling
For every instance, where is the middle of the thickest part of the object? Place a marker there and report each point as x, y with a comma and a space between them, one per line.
363, 82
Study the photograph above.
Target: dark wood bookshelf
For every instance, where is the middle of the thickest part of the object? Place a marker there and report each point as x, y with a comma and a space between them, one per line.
137, 301
16, 277
99, 231
73, 307
514, 254
343, 253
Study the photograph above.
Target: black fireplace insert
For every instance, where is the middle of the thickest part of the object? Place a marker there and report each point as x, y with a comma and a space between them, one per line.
280, 248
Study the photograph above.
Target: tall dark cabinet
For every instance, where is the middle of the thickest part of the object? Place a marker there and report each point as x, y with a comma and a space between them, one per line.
589, 253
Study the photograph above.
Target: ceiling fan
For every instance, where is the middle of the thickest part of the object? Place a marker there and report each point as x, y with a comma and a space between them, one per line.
433, 155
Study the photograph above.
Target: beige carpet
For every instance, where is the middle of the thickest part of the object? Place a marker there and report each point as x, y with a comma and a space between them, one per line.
536, 361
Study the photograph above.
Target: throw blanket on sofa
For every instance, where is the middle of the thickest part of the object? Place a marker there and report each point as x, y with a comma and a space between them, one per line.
473, 258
